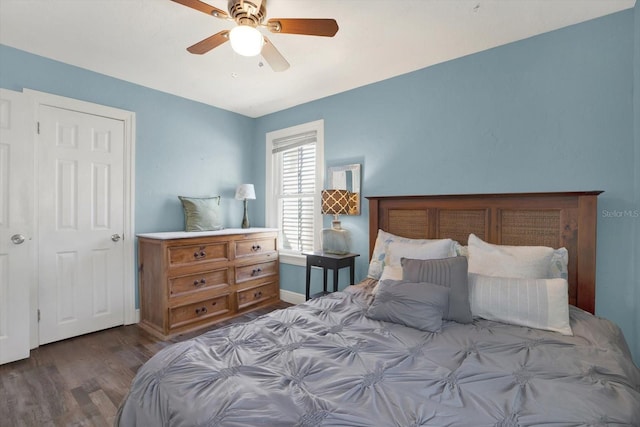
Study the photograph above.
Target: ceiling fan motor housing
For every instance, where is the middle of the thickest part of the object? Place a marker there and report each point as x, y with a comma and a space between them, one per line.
248, 12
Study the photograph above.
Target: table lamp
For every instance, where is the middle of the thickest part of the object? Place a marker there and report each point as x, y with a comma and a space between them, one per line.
335, 239
245, 192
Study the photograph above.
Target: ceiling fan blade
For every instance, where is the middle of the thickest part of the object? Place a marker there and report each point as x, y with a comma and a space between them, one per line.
209, 43
310, 27
203, 7
273, 57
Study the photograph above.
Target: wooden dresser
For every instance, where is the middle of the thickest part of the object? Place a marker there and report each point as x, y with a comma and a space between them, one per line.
192, 280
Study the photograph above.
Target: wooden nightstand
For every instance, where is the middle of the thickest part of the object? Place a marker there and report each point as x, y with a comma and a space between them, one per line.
328, 261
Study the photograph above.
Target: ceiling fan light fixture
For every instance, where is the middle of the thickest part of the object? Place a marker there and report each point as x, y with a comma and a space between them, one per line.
246, 40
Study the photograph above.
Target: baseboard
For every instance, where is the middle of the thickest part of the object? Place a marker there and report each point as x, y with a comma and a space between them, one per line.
137, 316
291, 297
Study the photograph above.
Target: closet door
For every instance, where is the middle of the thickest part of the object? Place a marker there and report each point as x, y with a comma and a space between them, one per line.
80, 222
16, 224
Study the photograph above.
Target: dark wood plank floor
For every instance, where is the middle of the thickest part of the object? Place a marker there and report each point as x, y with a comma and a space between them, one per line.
81, 381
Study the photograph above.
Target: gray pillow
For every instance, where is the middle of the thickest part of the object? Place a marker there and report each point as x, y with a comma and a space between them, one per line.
418, 305
449, 272
201, 214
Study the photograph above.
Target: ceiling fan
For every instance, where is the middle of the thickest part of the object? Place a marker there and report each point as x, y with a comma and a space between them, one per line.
245, 38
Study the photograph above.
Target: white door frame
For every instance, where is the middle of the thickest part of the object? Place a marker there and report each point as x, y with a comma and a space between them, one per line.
128, 117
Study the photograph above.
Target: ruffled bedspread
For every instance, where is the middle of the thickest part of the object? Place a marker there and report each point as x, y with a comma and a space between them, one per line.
323, 363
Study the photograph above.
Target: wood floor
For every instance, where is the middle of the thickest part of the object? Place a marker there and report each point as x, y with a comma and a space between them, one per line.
81, 381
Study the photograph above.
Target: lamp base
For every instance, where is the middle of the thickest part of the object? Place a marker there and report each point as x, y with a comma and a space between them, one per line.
335, 241
245, 218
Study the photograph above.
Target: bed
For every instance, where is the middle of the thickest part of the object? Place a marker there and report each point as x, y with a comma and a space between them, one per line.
329, 362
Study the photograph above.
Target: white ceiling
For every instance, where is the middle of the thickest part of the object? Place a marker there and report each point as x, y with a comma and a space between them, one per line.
145, 41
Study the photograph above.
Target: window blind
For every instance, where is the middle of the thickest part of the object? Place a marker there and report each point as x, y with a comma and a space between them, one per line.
297, 188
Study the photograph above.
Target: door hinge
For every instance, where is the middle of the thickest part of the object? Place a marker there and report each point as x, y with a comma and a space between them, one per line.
38, 130
38, 315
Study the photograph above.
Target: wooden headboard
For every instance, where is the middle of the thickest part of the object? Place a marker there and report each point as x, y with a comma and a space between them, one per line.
537, 219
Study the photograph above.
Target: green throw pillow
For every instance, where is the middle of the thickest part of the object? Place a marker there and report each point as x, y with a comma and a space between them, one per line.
201, 214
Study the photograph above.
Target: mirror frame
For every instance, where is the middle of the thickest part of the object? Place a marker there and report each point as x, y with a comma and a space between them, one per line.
333, 171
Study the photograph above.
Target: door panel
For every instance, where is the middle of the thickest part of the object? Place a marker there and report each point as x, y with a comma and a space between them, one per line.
16, 225
81, 209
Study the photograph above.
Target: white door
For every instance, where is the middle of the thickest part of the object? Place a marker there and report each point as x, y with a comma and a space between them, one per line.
16, 225
81, 210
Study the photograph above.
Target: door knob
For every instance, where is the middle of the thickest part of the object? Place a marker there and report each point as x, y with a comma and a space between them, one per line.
115, 237
17, 239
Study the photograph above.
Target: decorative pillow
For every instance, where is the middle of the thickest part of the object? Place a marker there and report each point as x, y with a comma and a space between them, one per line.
201, 214
376, 265
448, 272
418, 305
435, 249
389, 273
558, 268
536, 303
528, 262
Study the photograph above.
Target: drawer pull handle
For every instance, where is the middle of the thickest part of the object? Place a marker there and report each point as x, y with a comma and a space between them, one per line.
200, 282
199, 255
256, 248
214, 303
257, 295
256, 271
201, 311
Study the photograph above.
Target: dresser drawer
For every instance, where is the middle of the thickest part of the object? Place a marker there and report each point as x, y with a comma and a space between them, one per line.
207, 280
196, 254
188, 281
206, 309
256, 246
256, 271
257, 294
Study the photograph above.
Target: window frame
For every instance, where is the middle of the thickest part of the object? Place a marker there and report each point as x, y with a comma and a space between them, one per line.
271, 205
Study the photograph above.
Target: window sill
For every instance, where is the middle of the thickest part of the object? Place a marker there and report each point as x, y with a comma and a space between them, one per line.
293, 259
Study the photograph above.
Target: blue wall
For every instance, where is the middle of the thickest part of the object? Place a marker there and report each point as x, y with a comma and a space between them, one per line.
550, 113
636, 115
182, 147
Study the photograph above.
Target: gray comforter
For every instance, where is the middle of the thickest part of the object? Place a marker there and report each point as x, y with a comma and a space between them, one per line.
324, 363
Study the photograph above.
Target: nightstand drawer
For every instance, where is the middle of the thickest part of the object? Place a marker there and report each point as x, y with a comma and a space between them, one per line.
318, 261
186, 255
207, 280
252, 247
256, 271
257, 294
212, 307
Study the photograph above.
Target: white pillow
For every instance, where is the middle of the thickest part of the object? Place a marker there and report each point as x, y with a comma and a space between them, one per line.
376, 264
536, 303
389, 273
435, 249
528, 262
559, 266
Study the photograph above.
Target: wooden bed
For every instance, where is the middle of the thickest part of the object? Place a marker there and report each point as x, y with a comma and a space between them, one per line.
332, 362
566, 219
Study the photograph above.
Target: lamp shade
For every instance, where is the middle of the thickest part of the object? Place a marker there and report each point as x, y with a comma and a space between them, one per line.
245, 192
335, 202
246, 40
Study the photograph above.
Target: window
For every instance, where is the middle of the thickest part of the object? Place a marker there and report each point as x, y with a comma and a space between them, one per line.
295, 173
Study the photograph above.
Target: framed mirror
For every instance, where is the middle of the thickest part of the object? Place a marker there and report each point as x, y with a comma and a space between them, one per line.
346, 178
